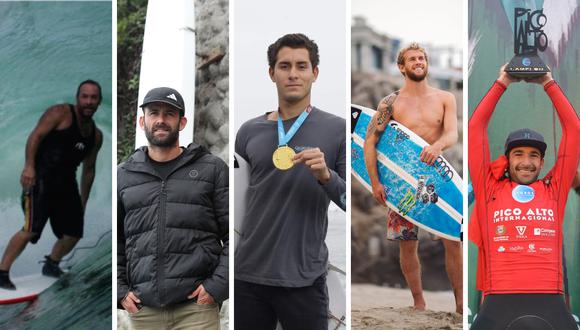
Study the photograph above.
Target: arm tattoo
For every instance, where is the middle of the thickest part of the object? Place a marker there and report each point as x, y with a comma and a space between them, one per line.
384, 114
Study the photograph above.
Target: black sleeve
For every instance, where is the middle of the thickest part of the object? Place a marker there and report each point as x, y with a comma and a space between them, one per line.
335, 188
122, 282
217, 285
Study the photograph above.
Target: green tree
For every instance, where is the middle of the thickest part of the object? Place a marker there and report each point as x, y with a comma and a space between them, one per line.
130, 29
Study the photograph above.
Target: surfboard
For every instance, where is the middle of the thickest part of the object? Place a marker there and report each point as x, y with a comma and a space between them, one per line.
168, 58
336, 291
470, 195
428, 196
242, 177
336, 298
27, 289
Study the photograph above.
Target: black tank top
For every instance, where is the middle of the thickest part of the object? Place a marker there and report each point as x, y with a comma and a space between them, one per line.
61, 151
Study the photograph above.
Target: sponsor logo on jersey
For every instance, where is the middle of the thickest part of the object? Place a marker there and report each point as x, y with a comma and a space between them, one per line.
501, 238
500, 230
516, 248
523, 193
545, 249
521, 230
544, 232
501, 249
532, 247
500, 234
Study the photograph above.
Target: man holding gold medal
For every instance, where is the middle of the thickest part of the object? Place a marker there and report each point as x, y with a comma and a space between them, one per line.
297, 159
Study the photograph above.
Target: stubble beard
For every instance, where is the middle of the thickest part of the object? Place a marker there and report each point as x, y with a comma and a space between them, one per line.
515, 177
82, 111
296, 98
417, 78
166, 142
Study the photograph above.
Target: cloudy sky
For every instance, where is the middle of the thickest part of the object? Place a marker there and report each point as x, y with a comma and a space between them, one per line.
258, 23
434, 22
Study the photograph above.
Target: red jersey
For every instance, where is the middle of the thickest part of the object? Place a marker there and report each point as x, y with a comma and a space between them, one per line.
518, 228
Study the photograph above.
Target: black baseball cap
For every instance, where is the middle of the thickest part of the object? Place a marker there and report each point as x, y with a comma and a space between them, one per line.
525, 137
165, 95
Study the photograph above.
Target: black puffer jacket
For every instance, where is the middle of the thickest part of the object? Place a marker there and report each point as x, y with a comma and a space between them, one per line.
172, 235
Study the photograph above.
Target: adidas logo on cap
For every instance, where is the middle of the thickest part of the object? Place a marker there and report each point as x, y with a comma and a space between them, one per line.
164, 95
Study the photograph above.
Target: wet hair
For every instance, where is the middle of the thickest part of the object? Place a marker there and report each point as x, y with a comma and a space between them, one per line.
91, 82
412, 46
294, 41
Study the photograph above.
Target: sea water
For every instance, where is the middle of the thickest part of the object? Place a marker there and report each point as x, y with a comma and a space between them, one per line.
46, 50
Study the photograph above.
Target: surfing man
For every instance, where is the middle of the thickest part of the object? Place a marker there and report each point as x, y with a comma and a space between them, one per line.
518, 226
64, 137
172, 225
432, 114
297, 158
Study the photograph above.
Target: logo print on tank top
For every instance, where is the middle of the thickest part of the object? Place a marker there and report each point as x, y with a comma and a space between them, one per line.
523, 193
80, 146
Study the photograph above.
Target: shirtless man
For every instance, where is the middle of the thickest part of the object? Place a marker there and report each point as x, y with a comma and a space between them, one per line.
432, 114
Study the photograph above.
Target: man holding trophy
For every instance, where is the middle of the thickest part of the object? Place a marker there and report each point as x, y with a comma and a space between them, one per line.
519, 217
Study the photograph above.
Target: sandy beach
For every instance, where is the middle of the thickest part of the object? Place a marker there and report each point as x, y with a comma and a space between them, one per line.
376, 307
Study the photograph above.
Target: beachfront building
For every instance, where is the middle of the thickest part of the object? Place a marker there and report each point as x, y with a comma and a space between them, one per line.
374, 57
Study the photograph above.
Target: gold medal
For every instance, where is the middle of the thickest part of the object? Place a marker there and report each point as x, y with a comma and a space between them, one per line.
282, 158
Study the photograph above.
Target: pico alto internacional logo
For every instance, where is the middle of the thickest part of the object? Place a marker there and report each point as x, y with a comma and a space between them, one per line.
523, 193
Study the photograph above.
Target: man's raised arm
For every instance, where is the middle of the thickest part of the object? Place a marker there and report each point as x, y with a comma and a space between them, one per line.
478, 143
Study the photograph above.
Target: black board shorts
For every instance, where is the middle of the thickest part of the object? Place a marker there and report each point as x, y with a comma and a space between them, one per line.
56, 199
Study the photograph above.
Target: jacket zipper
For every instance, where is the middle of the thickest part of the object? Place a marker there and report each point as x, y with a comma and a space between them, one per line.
161, 223
160, 240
